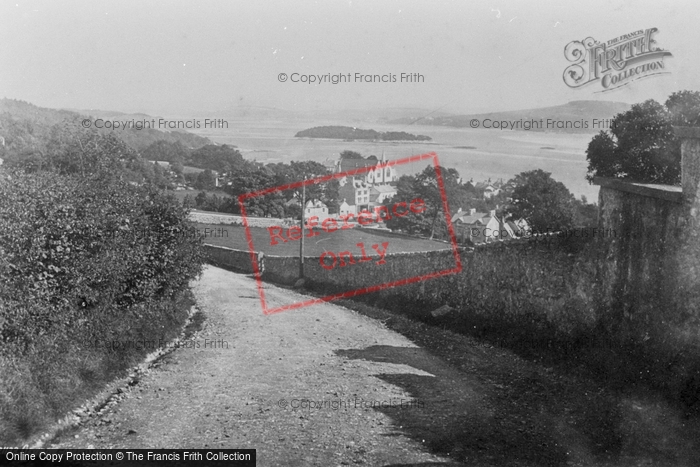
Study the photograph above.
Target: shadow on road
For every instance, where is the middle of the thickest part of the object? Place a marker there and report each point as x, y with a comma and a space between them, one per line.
454, 415
489, 410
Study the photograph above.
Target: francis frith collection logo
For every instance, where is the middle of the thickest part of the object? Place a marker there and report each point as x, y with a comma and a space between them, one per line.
614, 63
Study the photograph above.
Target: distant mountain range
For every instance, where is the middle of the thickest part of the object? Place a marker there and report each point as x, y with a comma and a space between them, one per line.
332, 115
574, 111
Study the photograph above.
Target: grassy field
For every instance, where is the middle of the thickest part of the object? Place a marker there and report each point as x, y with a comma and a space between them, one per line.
342, 240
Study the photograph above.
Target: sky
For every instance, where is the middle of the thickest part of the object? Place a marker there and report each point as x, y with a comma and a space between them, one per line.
180, 57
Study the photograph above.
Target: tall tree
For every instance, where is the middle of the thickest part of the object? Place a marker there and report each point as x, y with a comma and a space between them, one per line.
641, 145
543, 202
424, 187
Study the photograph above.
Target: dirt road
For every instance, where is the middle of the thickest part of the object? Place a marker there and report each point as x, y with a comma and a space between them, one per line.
328, 386
285, 384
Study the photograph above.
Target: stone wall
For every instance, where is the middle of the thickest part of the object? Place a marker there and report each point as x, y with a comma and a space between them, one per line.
649, 277
203, 217
231, 259
526, 284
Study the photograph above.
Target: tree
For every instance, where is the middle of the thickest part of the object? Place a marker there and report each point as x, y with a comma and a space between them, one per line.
641, 145
684, 108
162, 150
347, 154
222, 158
585, 215
251, 177
424, 186
205, 180
297, 171
543, 202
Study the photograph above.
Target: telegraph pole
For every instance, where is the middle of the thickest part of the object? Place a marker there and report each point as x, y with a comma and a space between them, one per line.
301, 244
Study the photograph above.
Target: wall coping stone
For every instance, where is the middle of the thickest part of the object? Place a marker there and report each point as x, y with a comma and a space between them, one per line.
652, 190
691, 132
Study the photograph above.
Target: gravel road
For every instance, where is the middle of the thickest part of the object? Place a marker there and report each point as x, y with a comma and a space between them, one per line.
327, 386
306, 387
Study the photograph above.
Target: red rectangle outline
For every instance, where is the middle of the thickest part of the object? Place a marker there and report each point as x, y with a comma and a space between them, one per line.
363, 290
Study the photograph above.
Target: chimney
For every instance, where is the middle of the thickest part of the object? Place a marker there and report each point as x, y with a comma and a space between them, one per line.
492, 213
472, 211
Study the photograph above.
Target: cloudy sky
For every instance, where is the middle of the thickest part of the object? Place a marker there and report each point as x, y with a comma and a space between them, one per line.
175, 57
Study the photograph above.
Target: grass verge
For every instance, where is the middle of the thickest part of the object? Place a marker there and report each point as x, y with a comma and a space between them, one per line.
55, 376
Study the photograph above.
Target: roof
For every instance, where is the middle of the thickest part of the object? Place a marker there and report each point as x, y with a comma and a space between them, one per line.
466, 218
384, 189
315, 204
351, 164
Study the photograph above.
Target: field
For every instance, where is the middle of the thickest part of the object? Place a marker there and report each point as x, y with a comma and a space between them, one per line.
232, 236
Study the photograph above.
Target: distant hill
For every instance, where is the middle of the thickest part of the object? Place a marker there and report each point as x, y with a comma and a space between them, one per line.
343, 116
572, 112
111, 114
352, 133
27, 126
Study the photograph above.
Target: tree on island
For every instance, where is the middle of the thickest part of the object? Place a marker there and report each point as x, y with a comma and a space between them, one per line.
641, 145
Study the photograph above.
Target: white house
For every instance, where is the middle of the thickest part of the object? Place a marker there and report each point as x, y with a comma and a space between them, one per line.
315, 208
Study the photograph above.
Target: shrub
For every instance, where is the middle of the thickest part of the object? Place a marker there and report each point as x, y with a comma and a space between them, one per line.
83, 262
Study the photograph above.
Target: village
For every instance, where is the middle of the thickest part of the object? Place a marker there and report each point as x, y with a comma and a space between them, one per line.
366, 199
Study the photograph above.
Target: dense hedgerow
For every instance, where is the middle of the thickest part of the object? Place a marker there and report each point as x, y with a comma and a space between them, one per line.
85, 262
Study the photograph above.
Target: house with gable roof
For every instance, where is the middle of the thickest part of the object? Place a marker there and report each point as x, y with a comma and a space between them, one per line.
364, 191
482, 227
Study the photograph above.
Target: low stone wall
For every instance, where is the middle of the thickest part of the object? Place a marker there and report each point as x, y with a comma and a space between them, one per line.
231, 259
550, 278
232, 219
285, 270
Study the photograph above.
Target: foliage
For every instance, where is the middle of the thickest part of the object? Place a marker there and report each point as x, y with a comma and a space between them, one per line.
162, 150
684, 108
347, 154
79, 246
641, 145
205, 180
215, 203
298, 171
27, 129
424, 186
86, 258
542, 201
223, 158
585, 214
